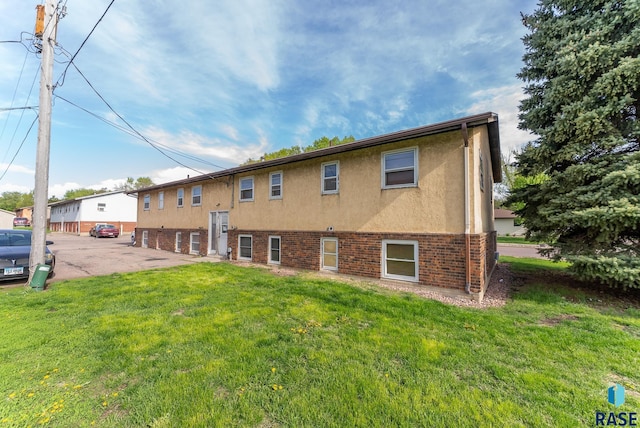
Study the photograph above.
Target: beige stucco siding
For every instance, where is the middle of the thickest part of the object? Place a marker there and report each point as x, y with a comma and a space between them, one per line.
482, 205
436, 205
216, 196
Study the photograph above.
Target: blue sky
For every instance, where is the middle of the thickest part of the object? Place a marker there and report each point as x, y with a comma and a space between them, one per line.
230, 80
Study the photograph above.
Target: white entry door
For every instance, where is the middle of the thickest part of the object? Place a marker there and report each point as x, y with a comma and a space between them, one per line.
218, 226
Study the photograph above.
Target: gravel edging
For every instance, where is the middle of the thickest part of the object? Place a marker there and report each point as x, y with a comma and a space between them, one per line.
496, 295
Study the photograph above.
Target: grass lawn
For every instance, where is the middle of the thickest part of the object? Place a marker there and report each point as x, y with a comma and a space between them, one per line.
222, 345
514, 240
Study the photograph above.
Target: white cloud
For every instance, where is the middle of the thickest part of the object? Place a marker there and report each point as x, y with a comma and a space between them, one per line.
210, 148
172, 174
504, 101
16, 168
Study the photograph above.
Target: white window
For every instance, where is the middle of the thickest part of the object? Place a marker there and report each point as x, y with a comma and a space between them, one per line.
160, 200
481, 172
400, 260
329, 253
180, 197
145, 239
246, 189
194, 242
330, 177
196, 195
275, 185
178, 248
245, 247
102, 207
147, 202
274, 250
400, 168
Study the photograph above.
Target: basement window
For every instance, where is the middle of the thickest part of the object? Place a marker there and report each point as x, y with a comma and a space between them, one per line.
400, 260
245, 247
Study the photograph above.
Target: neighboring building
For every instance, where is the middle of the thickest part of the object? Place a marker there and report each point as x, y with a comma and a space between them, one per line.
6, 219
415, 205
505, 221
81, 214
26, 212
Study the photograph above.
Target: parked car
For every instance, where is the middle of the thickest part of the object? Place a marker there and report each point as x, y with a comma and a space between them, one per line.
102, 230
15, 248
21, 221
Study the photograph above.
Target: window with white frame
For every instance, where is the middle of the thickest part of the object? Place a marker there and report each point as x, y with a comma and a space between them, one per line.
329, 256
160, 200
400, 260
180, 197
147, 202
246, 189
400, 168
145, 239
194, 242
275, 185
274, 249
102, 206
245, 247
330, 177
196, 195
178, 248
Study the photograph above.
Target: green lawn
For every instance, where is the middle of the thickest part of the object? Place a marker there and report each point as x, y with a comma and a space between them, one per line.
514, 240
221, 345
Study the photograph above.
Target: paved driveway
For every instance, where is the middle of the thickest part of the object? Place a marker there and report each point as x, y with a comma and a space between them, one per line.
518, 250
82, 256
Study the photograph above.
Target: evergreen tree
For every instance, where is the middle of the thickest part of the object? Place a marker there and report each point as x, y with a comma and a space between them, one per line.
582, 76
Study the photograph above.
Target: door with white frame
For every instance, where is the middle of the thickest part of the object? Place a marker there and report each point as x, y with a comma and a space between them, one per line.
218, 227
329, 256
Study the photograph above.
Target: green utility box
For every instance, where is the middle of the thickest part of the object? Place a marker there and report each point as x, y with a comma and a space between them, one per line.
39, 277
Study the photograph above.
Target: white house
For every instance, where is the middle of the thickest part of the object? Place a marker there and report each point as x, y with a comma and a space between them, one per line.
81, 214
6, 219
505, 223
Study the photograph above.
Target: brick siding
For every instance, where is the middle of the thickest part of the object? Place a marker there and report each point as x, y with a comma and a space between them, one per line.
165, 239
441, 256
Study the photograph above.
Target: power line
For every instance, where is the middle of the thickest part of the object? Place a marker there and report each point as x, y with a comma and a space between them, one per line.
19, 148
61, 78
22, 108
133, 134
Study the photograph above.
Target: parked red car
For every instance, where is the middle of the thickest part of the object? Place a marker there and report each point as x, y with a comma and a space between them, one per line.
102, 230
21, 221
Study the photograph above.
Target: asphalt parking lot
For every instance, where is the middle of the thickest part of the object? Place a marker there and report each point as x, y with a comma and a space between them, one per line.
83, 256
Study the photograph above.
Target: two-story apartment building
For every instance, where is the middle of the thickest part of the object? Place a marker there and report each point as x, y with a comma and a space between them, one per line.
415, 205
79, 215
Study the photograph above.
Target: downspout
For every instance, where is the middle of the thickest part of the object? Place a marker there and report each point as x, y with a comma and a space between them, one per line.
467, 214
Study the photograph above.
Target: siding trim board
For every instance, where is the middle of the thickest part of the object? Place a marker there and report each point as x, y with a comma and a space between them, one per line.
489, 119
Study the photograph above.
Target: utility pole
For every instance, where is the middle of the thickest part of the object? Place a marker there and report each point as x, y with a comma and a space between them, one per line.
41, 190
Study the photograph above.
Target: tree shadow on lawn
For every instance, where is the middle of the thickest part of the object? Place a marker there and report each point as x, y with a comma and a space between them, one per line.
553, 285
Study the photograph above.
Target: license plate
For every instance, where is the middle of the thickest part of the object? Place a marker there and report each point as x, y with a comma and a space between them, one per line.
14, 271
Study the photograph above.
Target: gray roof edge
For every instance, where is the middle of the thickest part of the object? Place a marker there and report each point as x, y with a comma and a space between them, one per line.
488, 118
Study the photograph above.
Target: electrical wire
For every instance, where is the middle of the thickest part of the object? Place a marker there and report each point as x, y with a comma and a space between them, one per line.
19, 148
13, 98
135, 131
133, 134
15, 131
60, 80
